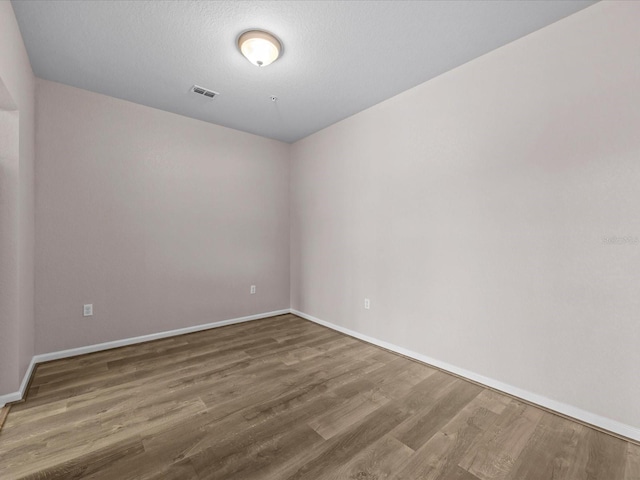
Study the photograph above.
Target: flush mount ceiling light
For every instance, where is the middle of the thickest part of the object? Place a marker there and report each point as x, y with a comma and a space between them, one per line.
261, 48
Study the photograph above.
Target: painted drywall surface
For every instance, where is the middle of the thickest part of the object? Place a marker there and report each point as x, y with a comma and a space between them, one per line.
491, 215
158, 220
17, 205
9, 352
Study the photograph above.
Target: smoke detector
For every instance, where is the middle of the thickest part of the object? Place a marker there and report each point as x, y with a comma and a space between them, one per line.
205, 92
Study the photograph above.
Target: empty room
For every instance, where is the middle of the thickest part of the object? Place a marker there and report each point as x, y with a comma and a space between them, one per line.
333, 240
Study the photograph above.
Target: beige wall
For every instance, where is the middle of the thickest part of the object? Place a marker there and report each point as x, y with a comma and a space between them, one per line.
159, 220
16, 204
472, 209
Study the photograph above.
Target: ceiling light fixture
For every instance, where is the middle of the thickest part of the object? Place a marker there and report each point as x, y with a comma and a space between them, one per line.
261, 48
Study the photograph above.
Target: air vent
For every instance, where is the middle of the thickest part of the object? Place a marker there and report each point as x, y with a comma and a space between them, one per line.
204, 91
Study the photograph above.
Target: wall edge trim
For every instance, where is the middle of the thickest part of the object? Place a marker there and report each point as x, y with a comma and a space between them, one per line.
589, 419
72, 352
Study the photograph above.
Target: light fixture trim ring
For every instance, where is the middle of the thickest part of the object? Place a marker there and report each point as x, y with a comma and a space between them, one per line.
255, 33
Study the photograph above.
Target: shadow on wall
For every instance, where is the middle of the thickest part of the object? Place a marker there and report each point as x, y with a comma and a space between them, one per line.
9, 355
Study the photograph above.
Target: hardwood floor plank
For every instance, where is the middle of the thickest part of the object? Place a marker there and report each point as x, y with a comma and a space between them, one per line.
632, 462
565, 455
64, 444
503, 442
343, 447
83, 466
420, 428
438, 458
544, 450
258, 459
380, 460
284, 398
349, 412
258, 417
4, 411
598, 456
225, 438
370, 429
252, 406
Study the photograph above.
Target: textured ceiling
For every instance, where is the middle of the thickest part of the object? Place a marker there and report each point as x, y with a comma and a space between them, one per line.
339, 57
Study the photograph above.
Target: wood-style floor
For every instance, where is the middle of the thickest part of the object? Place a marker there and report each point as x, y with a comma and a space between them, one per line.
283, 398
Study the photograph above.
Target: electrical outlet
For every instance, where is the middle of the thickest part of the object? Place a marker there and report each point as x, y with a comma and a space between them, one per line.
253, 289
88, 310
367, 304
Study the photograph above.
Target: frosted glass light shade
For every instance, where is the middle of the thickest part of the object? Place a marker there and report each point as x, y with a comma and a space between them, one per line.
260, 48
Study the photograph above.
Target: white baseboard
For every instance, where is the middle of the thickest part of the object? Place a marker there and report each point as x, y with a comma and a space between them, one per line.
15, 396
45, 357
554, 405
584, 416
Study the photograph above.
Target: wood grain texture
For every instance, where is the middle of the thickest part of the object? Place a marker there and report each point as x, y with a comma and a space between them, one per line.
4, 411
283, 398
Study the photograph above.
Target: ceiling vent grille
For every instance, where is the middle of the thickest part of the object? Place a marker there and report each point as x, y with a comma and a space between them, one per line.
204, 91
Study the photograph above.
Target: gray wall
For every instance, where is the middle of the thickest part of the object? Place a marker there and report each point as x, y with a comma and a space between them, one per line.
159, 220
491, 215
473, 211
16, 204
